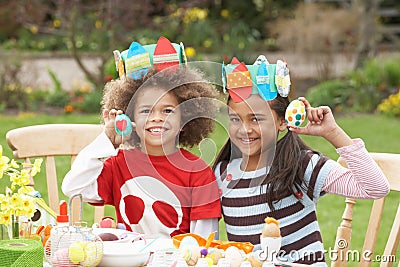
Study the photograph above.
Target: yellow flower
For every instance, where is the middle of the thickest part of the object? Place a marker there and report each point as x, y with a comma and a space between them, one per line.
190, 51
56, 23
14, 164
177, 13
25, 190
36, 166
5, 218
207, 43
194, 14
3, 162
16, 200
4, 202
98, 24
390, 105
34, 29
224, 13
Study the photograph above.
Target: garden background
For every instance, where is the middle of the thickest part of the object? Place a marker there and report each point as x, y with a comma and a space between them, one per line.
56, 56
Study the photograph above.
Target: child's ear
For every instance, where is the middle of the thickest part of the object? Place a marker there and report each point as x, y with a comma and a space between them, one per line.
282, 125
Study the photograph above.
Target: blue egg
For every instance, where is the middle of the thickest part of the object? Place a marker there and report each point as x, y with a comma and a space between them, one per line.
123, 125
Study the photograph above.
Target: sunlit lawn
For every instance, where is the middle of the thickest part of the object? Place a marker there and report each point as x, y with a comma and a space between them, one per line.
381, 134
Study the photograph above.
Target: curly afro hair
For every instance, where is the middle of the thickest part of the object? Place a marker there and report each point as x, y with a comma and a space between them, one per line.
196, 96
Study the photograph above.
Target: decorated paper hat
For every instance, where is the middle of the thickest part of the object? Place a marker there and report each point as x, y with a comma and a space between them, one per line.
136, 61
263, 78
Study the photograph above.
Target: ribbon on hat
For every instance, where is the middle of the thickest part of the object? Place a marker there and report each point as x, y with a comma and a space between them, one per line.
136, 61
267, 80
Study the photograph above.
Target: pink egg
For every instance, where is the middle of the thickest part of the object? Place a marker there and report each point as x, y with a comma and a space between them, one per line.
61, 259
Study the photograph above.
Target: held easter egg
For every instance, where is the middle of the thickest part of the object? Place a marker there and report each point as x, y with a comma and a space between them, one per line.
295, 113
123, 125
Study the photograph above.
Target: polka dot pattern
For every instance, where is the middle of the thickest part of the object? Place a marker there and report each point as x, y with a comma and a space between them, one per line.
295, 113
239, 79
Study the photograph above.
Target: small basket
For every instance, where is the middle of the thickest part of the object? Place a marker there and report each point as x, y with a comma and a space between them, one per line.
73, 245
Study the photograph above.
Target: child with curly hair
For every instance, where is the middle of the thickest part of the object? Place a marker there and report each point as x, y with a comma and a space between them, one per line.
156, 187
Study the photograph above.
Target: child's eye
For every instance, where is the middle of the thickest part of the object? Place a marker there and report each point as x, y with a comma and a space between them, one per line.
169, 110
145, 111
234, 120
255, 119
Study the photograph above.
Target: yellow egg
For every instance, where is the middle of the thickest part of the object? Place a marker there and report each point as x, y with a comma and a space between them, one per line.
76, 252
94, 253
209, 261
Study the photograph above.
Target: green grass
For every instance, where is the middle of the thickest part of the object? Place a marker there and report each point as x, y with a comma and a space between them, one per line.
380, 134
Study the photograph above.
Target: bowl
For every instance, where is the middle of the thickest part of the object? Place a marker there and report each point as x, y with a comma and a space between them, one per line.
123, 255
132, 254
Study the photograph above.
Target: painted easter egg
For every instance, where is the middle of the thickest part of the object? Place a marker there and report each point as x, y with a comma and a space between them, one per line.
295, 113
123, 125
191, 255
188, 241
235, 255
215, 254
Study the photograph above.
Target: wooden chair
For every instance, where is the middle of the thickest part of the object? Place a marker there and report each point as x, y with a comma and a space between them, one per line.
390, 165
49, 141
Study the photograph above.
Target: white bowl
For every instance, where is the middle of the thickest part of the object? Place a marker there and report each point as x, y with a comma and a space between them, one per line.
123, 255
132, 254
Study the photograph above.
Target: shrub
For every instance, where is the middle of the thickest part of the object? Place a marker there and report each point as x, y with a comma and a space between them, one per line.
110, 69
91, 102
58, 97
374, 82
13, 93
335, 93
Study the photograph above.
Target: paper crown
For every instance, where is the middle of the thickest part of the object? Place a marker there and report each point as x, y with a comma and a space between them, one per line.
136, 61
263, 78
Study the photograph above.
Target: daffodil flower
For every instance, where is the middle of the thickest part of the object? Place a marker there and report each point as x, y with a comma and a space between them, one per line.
3, 163
16, 200
36, 166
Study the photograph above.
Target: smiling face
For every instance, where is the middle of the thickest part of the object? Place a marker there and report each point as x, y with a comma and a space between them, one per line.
158, 121
253, 128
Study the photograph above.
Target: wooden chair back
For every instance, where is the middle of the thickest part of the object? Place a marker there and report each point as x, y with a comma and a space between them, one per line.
390, 165
49, 141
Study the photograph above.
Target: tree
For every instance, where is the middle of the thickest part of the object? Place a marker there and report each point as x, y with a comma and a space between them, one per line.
98, 26
368, 12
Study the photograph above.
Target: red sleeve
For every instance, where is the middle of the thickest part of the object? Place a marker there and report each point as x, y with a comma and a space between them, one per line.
205, 196
105, 181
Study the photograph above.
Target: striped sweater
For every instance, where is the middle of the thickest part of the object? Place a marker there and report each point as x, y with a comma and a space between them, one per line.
245, 208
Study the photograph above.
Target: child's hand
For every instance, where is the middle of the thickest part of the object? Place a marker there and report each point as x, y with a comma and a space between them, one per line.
109, 118
320, 121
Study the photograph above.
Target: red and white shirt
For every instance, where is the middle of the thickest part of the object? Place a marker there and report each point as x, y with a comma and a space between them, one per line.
155, 195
